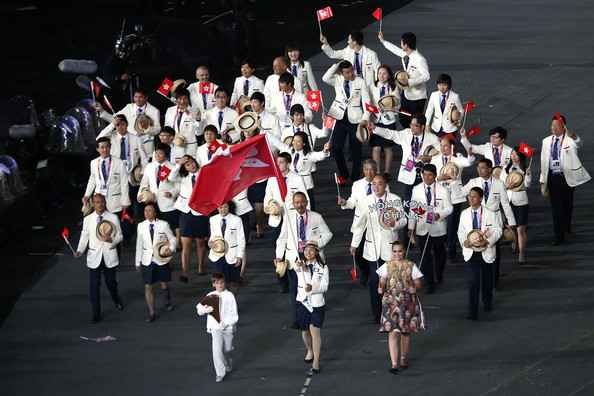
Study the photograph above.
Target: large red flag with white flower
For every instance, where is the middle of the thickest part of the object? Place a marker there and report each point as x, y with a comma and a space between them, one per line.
232, 171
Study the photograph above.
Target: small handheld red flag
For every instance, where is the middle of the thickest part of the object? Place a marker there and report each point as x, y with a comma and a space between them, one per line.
205, 88
315, 106
163, 173
314, 96
371, 109
126, 216
338, 179
473, 131
65, 233
215, 146
324, 13
96, 88
65, 236
165, 87
107, 103
405, 112
354, 275
469, 106
558, 116
377, 14
526, 150
329, 122
449, 135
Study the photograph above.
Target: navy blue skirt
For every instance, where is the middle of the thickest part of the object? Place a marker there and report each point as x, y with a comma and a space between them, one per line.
306, 318
172, 218
520, 213
256, 193
192, 226
375, 140
156, 273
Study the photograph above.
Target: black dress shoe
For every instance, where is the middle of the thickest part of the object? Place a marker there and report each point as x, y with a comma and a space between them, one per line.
316, 371
568, 230
119, 305
471, 317
439, 278
387, 176
429, 291
394, 370
151, 319
308, 360
95, 319
183, 279
487, 308
202, 273
514, 250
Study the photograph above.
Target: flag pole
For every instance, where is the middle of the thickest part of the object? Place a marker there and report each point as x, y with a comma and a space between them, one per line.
320, 25
355, 267
425, 248
68, 243
92, 91
336, 180
530, 163
381, 17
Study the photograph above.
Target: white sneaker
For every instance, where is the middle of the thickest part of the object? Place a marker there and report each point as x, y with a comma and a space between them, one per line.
220, 379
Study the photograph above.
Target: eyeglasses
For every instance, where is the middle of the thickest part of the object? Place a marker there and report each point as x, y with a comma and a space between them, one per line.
482, 167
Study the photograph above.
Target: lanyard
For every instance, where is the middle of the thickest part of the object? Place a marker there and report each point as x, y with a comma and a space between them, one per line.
434, 193
480, 220
558, 148
175, 123
101, 173
288, 105
420, 146
500, 150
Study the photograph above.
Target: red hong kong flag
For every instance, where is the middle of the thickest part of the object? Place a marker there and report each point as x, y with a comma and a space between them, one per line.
65, 234
324, 13
329, 123
371, 109
163, 173
377, 14
405, 112
473, 131
215, 146
204, 88
232, 171
165, 87
315, 106
525, 149
449, 135
126, 216
96, 88
314, 96
338, 179
468, 107
354, 274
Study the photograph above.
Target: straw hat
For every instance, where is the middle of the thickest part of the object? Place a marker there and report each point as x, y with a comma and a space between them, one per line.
146, 195
220, 247
516, 178
288, 140
472, 235
363, 133
496, 172
399, 80
226, 136
281, 268
181, 83
248, 121
244, 103
137, 126
87, 209
179, 140
544, 190
136, 175
276, 210
508, 235
159, 250
105, 228
454, 114
388, 213
447, 169
313, 244
388, 102
430, 151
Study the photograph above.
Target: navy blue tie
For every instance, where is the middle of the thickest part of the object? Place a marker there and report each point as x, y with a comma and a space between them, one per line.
429, 196
159, 171
246, 87
220, 119
486, 191
104, 170
179, 116
223, 226
152, 230
193, 180
294, 70
496, 157
347, 89
301, 228
556, 149
382, 91
475, 224
442, 103
123, 148
357, 65
415, 147
368, 188
406, 59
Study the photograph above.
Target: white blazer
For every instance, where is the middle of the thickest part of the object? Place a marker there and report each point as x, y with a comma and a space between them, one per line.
144, 245
277, 107
313, 132
170, 184
188, 127
316, 229
211, 117
369, 60
358, 194
573, 170
271, 87
196, 97
99, 250
497, 197
417, 69
463, 162
117, 183
492, 221
318, 280
440, 119
378, 242
486, 150
242, 203
518, 198
131, 113
354, 104
404, 138
176, 153
383, 117
295, 183
185, 192
234, 236
135, 147
305, 74
256, 85
442, 205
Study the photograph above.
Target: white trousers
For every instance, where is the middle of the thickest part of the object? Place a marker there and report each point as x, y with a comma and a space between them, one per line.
222, 344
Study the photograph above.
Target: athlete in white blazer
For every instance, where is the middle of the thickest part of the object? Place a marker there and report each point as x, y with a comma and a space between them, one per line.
378, 240
102, 255
479, 264
166, 190
108, 177
438, 119
144, 245
305, 74
282, 101
493, 150
221, 116
234, 236
435, 200
202, 101
271, 86
247, 81
140, 107
364, 60
134, 153
354, 103
313, 132
375, 93
560, 172
182, 119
